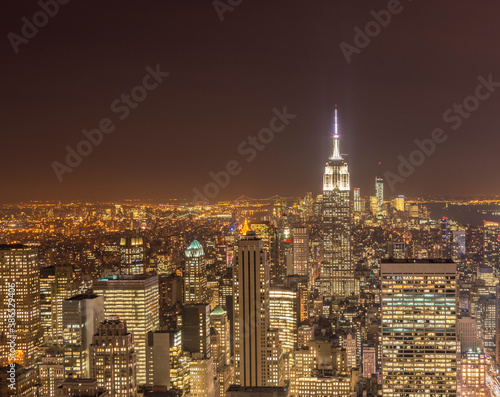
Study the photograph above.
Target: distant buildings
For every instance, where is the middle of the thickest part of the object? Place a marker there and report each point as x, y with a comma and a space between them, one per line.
379, 193
358, 202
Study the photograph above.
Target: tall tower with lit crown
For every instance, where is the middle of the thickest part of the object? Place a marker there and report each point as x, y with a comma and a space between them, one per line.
337, 271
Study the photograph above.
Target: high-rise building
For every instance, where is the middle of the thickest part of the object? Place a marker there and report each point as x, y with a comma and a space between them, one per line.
350, 345
195, 275
374, 205
81, 315
419, 336
283, 313
196, 329
491, 245
47, 278
221, 349
379, 193
472, 370
132, 255
62, 288
467, 333
159, 344
300, 244
397, 249
51, 371
201, 376
20, 302
497, 342
113, 359
219, 321
134, 299
399, 203
358, 207
258, 357
369, 360
337, 270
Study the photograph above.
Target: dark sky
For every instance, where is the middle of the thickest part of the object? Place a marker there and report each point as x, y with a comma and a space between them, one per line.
226, 78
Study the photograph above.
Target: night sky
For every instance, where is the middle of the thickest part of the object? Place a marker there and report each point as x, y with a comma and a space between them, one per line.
226, 77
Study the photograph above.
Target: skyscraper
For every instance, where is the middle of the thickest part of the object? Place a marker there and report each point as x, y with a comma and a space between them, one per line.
419, 336
399, 203
358, 207
132, 255
196, 329
62, 288
81, 316
20, 302
258, 357
337, 269
300, 244
113, 359
379, 192
491, 245
134, 299
283, 314
195, 275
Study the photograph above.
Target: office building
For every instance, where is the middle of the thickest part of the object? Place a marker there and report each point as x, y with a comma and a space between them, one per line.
195, 275
113, 359
51, 371
132, 255
472, 371
491, 252
379, 193
134, 299
196, 329
19, 292
300, 246
337, 270
397, 249
358, 202
81, 315
258, 357
399, 203
369, 360
419, 336
201, 376
159, 345
283, 313
62, 288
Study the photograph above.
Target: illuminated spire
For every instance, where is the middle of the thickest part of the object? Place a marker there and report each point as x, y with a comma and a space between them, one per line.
336, 140
245, 228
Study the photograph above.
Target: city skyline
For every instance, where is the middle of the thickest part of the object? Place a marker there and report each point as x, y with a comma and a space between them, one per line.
250, 199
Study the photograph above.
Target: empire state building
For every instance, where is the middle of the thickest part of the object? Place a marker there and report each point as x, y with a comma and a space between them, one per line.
337, 271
